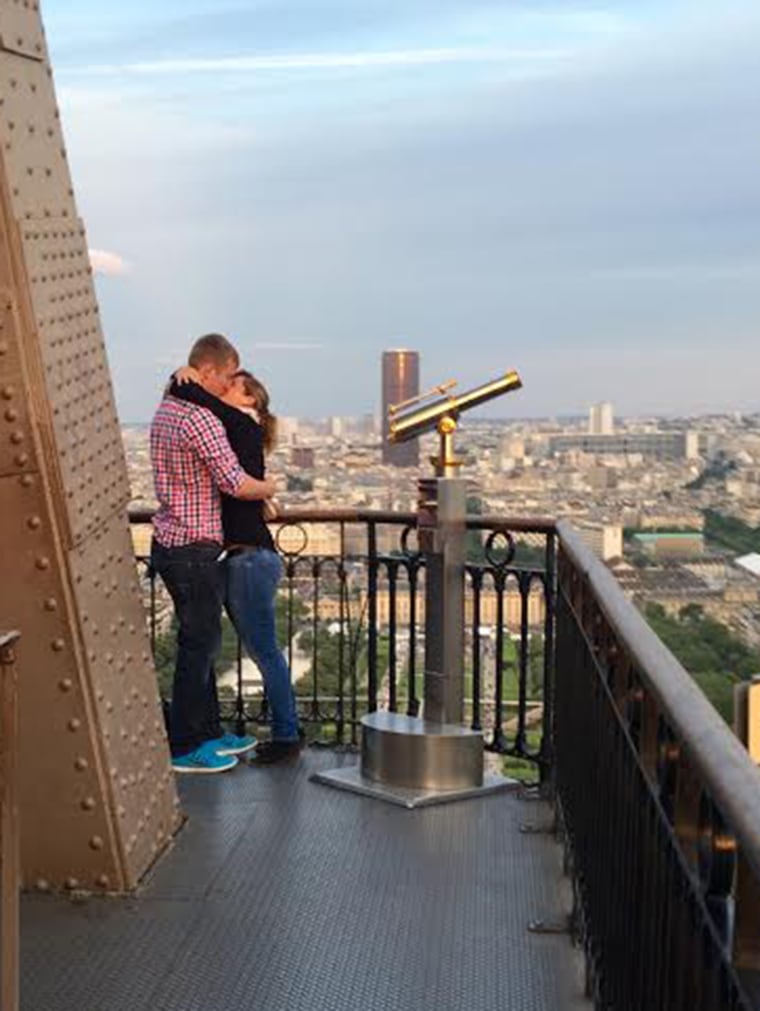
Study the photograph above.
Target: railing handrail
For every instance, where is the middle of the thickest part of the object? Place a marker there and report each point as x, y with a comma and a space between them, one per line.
528, 525
722, 761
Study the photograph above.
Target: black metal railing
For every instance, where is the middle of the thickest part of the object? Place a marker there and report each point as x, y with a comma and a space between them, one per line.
660, 806
352, 625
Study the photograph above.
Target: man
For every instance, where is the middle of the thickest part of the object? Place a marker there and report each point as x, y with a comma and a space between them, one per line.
192, 465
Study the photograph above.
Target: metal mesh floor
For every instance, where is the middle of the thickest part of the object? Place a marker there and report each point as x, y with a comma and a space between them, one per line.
284, 894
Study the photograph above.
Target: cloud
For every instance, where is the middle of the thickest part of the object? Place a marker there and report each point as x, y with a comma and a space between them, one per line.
730, 269
359, 60
109, 264
287, 346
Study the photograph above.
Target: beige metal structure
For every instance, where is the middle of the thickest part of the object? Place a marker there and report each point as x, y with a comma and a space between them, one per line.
96, 791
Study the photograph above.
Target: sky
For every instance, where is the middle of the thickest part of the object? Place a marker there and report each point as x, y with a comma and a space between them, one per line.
568, 189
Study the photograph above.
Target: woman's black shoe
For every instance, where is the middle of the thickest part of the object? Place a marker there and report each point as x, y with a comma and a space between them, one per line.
269, 752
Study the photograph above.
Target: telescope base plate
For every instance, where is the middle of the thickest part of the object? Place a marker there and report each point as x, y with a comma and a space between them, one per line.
414, 762
351, 779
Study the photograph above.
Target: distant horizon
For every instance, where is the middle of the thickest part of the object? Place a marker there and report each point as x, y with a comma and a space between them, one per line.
503, 420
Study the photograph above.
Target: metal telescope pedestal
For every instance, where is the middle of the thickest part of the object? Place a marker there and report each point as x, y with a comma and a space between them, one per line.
416, 762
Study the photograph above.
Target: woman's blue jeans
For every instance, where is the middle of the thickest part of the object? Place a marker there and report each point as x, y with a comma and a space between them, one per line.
252, 579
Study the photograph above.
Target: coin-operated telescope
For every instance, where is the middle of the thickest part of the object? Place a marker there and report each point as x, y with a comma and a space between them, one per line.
439, 409
432, 757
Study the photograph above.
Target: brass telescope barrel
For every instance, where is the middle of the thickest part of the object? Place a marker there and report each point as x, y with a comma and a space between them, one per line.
424, 419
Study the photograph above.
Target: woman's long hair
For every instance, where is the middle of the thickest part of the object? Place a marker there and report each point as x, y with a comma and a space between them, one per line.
256, 389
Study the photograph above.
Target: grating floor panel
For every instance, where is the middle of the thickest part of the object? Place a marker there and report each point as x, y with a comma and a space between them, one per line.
284, 894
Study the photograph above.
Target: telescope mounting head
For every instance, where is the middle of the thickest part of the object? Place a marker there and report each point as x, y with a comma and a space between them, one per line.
442, 415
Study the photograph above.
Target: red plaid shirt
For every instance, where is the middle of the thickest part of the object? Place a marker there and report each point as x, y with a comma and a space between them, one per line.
192, 463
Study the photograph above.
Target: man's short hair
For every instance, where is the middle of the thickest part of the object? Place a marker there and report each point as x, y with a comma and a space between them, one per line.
212, 349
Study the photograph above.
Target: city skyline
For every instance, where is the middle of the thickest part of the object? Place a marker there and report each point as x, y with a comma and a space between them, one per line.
565, 189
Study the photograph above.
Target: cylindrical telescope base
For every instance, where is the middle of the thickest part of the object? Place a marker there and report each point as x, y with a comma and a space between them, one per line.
406, 752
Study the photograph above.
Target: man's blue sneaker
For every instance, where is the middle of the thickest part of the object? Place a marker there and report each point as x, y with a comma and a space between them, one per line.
231, 744
203, 760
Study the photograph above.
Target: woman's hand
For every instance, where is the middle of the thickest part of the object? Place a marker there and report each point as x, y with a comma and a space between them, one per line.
268, 488
270, 510
187, 374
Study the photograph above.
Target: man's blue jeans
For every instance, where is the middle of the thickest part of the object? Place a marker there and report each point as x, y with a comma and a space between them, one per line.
252, 579
195, 581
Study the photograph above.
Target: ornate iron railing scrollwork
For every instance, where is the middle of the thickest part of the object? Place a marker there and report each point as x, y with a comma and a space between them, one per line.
371, 595
406, 533
285, 528
497, 562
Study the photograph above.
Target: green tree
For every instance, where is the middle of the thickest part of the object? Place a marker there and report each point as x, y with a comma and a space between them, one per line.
730, 533
355, 653
710, 652
165, 653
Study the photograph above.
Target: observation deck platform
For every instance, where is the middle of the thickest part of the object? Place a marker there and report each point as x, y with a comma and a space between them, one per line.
281, 893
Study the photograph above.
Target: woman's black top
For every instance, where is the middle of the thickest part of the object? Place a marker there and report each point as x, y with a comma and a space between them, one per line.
242, 520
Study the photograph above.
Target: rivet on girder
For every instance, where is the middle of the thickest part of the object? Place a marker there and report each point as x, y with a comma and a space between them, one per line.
81, 764
88, 804
96, 843
74, 724
58, 645
72, 883
103, 881
65, 684
42, 563
42, 885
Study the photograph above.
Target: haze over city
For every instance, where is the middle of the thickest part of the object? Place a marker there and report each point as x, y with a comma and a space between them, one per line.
569, 189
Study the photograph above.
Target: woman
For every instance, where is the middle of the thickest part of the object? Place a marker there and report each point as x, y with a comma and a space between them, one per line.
254, 568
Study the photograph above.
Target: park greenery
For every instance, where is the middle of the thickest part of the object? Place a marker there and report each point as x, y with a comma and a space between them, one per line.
714, 473
165, 650
730, 533
715, 657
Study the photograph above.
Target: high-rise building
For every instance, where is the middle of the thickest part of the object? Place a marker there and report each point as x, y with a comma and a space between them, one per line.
287, 430
669, 445
401, 381
601, 420
302, 458
335, 427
